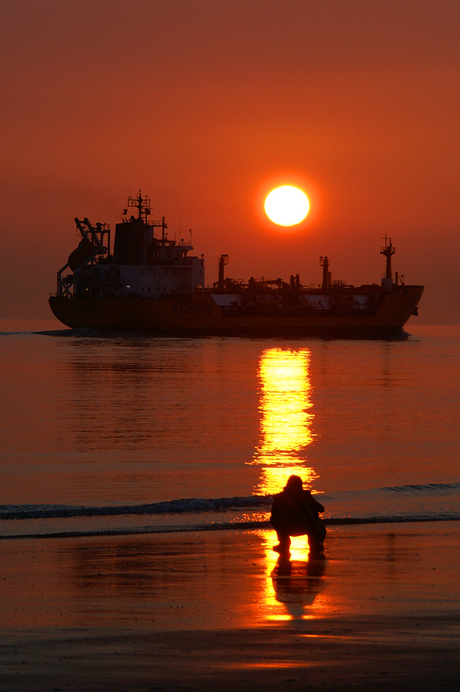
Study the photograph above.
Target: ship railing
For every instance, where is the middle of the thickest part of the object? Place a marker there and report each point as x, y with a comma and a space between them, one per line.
64, 285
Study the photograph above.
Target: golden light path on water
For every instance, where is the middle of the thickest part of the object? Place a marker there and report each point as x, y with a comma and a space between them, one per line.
286, 419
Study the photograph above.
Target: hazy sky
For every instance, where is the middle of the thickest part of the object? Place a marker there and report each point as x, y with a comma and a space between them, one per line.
207, 104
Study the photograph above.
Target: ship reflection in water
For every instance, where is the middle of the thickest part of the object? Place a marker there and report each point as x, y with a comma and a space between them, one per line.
286, 420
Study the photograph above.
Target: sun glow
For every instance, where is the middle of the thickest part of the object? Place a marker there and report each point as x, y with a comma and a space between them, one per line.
287, 205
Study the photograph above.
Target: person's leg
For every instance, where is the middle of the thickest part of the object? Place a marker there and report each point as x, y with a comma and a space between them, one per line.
284, 543
316, 545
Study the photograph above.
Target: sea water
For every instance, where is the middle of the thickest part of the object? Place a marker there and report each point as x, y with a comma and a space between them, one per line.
105, 434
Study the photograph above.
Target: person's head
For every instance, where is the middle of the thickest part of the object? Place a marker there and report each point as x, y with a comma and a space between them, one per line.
294, 483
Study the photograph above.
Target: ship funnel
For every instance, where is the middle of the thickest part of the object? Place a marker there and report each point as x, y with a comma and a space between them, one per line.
324, 262
223, 260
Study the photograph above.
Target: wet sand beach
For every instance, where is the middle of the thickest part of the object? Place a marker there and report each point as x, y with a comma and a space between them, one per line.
219, 610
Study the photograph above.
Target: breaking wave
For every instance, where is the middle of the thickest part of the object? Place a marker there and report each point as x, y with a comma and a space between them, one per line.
422, 502
169, 507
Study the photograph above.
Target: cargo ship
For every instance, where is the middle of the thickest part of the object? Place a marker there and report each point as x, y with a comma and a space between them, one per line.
150, 283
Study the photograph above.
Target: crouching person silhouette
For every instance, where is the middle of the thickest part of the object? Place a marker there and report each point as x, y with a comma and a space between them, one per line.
295, 513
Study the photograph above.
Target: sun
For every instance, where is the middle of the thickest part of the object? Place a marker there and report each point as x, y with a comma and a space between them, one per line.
287, 205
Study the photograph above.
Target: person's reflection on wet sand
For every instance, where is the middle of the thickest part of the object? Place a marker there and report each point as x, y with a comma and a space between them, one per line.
297, 583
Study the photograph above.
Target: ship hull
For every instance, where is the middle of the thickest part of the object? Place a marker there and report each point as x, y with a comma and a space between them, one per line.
198, 315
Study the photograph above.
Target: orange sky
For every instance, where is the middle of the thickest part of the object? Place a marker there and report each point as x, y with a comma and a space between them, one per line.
204, 104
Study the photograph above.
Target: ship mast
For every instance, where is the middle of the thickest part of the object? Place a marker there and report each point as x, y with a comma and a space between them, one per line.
388, 250
142, 204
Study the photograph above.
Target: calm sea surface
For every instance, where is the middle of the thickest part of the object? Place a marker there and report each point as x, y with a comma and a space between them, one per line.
133, 433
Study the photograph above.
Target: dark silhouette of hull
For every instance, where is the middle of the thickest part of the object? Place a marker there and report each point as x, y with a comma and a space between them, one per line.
199, 315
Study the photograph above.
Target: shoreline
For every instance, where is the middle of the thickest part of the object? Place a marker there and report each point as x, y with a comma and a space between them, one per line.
223, 527
217, 610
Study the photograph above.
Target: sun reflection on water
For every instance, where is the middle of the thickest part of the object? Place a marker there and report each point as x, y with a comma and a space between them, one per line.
286, 419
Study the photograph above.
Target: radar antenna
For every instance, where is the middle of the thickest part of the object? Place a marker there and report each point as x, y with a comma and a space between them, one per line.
142, 204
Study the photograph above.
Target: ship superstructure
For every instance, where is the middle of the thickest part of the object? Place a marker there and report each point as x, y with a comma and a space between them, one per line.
144, 262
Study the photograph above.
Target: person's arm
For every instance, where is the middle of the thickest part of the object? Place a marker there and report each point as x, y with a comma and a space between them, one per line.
318, 506
275, 511
314, 504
